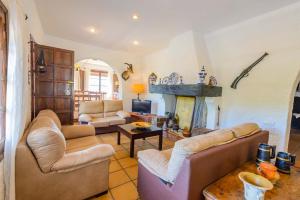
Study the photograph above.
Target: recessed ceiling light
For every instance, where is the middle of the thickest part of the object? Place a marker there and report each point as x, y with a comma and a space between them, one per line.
135, 17
92, 30
135, 42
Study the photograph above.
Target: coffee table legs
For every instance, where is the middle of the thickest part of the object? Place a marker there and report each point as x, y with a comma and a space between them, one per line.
119, 138
132, 148
160, 142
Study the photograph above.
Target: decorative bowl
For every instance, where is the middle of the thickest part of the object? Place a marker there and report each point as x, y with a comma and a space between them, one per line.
141, 125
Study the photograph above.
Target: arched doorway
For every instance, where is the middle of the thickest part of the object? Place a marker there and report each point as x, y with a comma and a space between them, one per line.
293, 138
94, 79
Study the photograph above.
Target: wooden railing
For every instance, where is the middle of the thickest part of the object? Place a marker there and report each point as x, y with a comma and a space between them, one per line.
85, 96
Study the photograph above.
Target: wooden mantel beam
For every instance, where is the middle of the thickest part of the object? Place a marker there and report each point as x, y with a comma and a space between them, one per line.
201, 90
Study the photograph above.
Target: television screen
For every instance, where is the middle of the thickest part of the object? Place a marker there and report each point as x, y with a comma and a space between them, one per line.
141, 106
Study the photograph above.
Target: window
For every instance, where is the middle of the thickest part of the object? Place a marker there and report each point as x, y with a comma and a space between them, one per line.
3, 73
99, 81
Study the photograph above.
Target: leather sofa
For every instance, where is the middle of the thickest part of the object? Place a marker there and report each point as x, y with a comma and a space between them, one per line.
182, 173
103, 115
60, 162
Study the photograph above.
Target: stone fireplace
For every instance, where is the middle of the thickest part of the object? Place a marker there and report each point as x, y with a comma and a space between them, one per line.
205, 111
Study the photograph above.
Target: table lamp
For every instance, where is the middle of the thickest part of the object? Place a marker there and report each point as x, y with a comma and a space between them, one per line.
138, 88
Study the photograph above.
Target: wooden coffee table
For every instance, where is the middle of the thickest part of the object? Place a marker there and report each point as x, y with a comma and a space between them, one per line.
127, 130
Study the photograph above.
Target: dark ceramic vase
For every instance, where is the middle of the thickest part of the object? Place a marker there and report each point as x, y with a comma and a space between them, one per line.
265, 153
284, 161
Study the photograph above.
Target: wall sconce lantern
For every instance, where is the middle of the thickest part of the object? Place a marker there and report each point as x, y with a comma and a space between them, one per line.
41, 65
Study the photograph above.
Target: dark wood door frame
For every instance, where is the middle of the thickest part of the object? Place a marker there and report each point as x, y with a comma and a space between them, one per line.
3, 74
54, 89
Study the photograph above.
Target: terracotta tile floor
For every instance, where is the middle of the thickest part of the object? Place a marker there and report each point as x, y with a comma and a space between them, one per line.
123, 170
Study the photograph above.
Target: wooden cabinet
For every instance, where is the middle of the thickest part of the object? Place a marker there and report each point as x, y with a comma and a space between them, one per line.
54, 88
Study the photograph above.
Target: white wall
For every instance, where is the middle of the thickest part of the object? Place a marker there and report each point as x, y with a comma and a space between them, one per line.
263, 97
185, 55
266, 95
31, 26
115, 59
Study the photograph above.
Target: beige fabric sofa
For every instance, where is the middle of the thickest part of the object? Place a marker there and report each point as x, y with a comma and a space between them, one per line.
60, 162
183, 172
167, 164
103, 115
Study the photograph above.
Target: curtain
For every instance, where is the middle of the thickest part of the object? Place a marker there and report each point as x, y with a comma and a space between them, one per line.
17, 89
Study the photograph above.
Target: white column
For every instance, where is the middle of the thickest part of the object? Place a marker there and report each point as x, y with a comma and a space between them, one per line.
212, 112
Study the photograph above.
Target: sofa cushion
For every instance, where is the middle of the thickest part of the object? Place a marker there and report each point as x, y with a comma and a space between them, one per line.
96, 115
110, 114
52, 115
186, 147
111, 107
115, 120
84, 118
82, 143
90, 107
86, 157
99, 122
123, 114
47, 143
245, 130
156, 162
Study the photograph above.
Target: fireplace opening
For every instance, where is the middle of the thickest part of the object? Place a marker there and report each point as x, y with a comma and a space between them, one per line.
191, 112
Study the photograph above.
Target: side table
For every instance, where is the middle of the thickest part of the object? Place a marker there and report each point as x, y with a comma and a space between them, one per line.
230, 186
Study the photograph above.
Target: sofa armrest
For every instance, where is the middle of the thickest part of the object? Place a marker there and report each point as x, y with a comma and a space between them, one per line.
156, 162
79, 159
84, 118
76, 131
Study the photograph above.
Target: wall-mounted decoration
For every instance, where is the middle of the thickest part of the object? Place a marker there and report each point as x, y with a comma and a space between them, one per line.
127, 72
202, 75
40, 63
174, 79
152, 78
165, 80
246, 71
212, 81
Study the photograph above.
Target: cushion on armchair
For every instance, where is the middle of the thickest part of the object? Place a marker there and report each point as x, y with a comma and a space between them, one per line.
46, 142
78, 159
52, 115
156, 162
77, 131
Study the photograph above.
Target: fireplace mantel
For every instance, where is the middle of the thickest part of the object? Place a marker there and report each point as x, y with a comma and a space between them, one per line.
200, 90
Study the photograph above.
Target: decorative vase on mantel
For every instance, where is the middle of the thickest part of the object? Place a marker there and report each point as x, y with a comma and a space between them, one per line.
202, 75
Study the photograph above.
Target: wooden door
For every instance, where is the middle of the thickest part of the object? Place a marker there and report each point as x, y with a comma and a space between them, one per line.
54, 89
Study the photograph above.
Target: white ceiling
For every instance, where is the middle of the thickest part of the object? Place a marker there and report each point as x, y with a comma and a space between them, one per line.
160, 20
